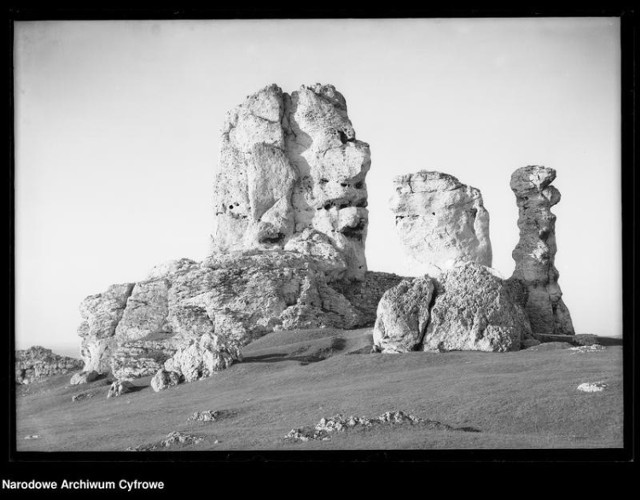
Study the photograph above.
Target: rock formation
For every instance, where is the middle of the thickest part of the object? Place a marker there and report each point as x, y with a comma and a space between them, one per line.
84, 377
535, 252
37, 363
476, 310
164, 379
292, 176
287, 252
441, 222
403, 314
467, 307
120, 387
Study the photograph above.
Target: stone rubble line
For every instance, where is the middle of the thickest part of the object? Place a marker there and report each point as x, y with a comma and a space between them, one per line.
172, 439
339, 423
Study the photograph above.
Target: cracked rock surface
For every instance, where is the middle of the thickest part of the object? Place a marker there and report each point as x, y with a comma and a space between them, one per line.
440, 221
287, 251
535, 252
292, 175
466, 308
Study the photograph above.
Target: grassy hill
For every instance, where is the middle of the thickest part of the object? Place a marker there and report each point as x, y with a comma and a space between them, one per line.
292, 379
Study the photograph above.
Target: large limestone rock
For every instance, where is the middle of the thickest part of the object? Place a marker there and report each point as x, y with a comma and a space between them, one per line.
476, 310
83, 378
403, 314
101, 314
37, 363
288, 247
241, 295
291, 168
441, 222
203, 357
466, 308
164, 379
535, 252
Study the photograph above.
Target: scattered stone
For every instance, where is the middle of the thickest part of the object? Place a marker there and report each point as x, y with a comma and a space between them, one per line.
534, 254
205, 416
474, 309
84, 377
577, 340
550, 346
120, 387
37, 363
175, 438
588, 348
592, 387
82, 396
164, 379
338, 423
441, 222
403, 314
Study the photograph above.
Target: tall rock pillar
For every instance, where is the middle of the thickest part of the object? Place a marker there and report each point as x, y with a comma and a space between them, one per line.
535, 252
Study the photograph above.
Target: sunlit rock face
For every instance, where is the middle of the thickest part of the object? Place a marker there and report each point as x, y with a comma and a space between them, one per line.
292, 176
287, 251
440, 221
535, 252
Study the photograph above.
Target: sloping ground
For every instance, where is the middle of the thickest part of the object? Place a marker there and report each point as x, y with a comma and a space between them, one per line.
289, 380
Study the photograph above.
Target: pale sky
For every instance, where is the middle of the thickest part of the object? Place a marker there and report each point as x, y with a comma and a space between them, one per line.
117, 134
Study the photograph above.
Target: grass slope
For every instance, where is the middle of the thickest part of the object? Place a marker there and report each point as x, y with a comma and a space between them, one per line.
525, 399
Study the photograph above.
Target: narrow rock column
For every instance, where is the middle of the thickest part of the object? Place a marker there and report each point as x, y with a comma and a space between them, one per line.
535, 252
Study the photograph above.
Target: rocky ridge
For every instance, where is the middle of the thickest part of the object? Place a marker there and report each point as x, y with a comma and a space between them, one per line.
37, 363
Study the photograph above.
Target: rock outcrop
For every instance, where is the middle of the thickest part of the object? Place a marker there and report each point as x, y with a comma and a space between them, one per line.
467, 307
84, 377
164, 379
535, 252
292, 176
287, 252
476, 310
204, 356
403, 314
37, 363
120, 387
440, 221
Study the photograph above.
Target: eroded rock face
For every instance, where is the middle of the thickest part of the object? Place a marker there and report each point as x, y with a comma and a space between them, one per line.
291, 168
403, 314
441, 222
203, 357
476, 310
241, 295
290, 207
37, 363
101, 314
164, 379
535, 252
467, 308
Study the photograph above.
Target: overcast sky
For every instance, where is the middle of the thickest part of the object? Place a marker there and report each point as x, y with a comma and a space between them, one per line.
117, 133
